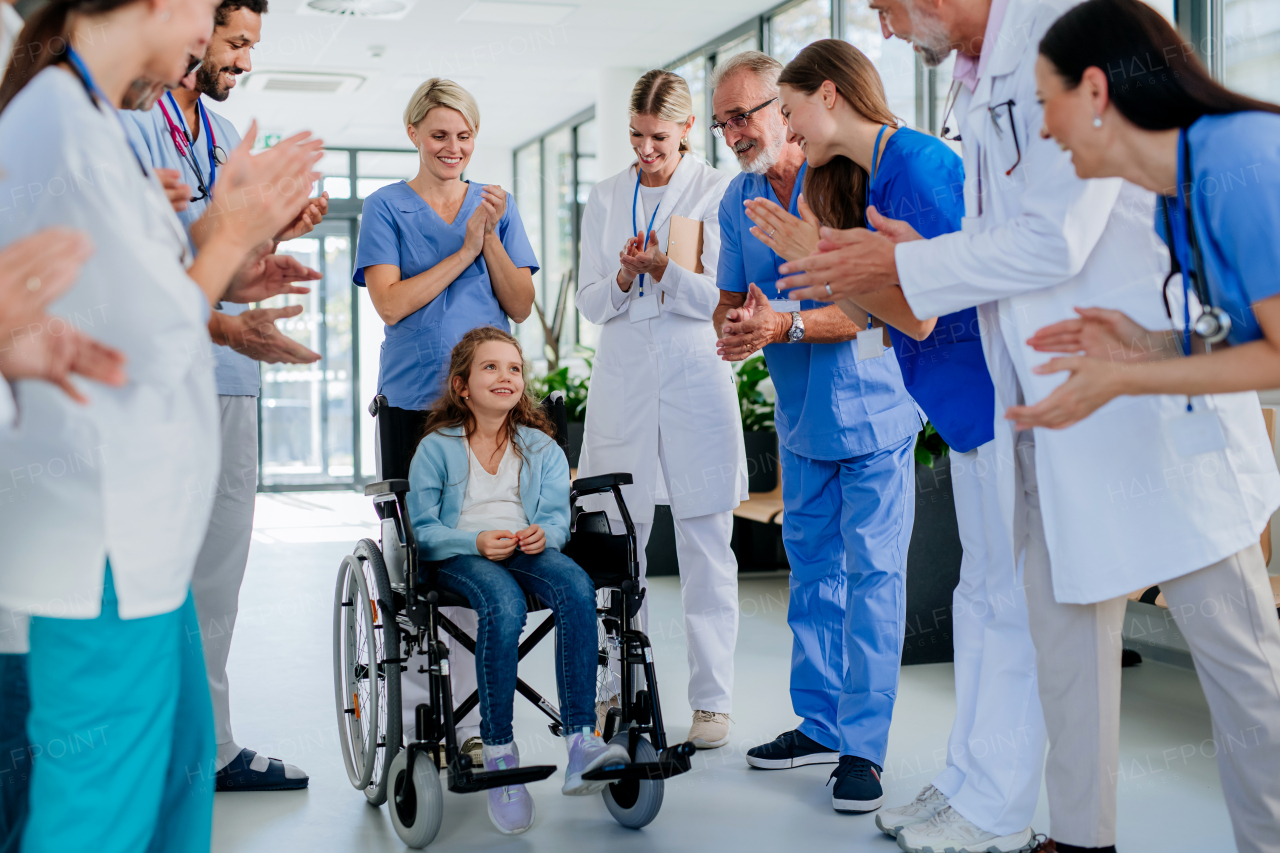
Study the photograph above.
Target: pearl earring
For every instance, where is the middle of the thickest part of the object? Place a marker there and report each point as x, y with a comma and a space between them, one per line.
1097, 121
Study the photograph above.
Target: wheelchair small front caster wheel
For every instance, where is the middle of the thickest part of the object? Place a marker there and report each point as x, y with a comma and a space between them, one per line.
634, 803
416, 803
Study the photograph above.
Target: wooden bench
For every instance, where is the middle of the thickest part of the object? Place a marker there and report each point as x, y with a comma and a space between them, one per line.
764, 507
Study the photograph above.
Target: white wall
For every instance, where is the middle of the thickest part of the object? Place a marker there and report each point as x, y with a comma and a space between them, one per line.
613, 117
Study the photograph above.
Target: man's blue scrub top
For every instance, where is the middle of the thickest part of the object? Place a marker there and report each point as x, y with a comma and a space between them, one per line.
1235, 161
399, 228
921, 181
829, 405
236, 375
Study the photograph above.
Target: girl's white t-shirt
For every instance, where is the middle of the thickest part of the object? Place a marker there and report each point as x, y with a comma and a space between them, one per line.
492, 501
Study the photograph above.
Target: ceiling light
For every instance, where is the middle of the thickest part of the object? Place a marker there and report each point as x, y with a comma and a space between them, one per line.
384, 9
301, 81
514, 12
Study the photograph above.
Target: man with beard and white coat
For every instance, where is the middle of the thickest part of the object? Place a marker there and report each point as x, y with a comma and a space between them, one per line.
241, 335
1115, 503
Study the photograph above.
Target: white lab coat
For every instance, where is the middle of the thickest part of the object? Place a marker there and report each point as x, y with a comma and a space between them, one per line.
661, 375
131, 475
1122, 509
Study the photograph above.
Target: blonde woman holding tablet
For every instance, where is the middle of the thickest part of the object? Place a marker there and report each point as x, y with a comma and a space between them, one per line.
662, 405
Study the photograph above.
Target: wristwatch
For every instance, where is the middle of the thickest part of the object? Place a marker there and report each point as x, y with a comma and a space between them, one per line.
796, 333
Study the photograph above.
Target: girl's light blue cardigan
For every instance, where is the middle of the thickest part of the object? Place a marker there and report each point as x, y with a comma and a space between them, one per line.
438, 483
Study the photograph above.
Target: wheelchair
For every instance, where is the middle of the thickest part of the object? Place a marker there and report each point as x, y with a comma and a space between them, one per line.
386, 618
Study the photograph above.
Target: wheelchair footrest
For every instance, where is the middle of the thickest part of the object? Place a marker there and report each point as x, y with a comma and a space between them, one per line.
673, 761
469, 781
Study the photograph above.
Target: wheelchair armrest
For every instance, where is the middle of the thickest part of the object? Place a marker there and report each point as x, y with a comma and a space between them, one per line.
600, 483
386, 487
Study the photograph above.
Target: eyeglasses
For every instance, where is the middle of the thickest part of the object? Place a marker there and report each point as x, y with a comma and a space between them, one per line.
738, 122
994, 112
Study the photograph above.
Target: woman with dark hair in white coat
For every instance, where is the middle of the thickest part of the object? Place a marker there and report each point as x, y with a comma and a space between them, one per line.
662, 405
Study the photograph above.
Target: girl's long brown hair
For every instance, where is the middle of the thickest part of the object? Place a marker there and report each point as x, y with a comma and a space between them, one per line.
837, 191
451, 410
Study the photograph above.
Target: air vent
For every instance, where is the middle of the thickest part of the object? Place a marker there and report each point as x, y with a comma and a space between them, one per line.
302, 81
392, 10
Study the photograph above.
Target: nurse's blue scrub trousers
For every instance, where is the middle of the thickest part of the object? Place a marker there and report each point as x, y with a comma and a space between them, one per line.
121, 729
15, 756
847, 527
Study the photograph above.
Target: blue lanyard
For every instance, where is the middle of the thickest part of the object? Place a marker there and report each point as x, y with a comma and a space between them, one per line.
634, 196
875, 149
100, 99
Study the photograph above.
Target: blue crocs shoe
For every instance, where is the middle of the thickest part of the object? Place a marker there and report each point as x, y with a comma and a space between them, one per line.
790, 749
250, 771
588, 751
857, 789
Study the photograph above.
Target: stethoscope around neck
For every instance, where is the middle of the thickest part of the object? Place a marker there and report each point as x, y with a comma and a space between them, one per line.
1213, 324
183, 143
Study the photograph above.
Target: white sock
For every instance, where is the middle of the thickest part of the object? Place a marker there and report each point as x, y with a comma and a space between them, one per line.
227, 752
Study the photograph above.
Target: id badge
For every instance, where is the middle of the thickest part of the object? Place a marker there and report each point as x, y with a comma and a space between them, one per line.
1197, 433
784, 306
870, 343
644, 308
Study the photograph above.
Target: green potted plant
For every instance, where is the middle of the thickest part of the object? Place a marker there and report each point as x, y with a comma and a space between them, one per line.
756, 407
575, 399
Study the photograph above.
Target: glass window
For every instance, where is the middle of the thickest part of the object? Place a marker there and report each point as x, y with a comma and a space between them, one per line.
725, 160
528, 193
586, 160
1251, 47
557, 216
377, 169
892, 57
796, 26
335, 171
694, 73
307, 435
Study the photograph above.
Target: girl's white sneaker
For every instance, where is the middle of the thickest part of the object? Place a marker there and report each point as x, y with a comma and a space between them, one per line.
587, 752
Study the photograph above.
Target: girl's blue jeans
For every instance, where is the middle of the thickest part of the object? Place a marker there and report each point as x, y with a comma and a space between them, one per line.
496, 591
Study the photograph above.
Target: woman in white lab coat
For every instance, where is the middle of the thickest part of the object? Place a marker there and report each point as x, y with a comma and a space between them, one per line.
108, 502
662, 406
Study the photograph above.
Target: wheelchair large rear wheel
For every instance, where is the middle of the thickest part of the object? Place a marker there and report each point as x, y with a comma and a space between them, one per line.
416, 802
366, 684
634, 803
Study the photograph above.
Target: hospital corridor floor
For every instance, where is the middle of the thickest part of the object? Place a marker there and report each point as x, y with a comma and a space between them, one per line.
281, 675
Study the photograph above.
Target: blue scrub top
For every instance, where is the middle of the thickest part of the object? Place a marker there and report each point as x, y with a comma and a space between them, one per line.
399, 228
1235, 161
829, 405
921, 181
236, 375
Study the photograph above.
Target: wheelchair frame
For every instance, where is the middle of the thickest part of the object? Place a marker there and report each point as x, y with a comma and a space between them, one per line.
415, 610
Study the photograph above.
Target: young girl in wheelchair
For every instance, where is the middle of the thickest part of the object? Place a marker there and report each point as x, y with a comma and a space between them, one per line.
489, 502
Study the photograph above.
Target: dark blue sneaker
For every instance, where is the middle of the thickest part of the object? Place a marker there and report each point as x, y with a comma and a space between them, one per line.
857, 789
790, 749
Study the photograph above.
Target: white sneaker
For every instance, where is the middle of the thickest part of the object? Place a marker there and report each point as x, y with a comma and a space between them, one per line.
950, 832
927, 803
587, 752
710, 729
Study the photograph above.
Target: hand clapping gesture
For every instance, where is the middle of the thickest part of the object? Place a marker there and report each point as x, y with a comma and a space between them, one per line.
790, 236
640, 257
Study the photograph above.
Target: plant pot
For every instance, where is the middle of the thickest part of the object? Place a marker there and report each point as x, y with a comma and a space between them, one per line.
933, 567
762, 461
576, 430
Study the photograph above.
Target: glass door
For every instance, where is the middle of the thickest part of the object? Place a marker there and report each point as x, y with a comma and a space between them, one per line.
307, 427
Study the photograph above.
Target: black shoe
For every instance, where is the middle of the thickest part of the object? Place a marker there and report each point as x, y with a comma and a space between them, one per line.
790, 749
857, 789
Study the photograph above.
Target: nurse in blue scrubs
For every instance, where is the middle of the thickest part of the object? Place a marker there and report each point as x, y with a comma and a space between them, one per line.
846, 430
440, 256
